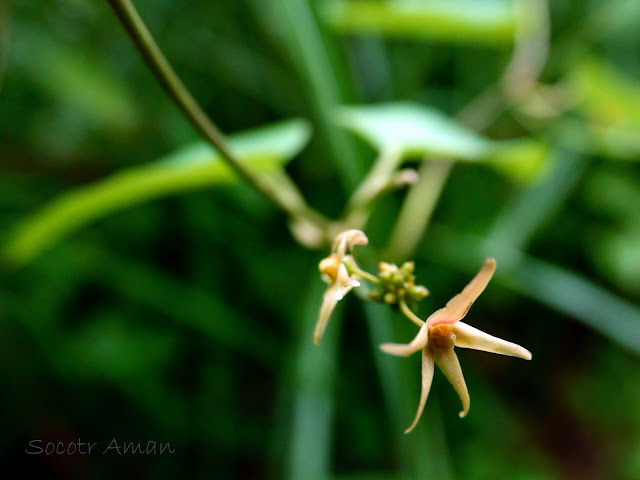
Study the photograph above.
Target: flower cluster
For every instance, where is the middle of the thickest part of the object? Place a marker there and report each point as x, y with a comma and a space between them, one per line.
398, 284
438, 334
335, 272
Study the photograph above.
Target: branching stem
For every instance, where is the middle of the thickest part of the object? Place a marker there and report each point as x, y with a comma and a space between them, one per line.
409, 313
287, 199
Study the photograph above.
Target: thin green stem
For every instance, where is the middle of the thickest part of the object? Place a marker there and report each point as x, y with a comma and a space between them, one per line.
315, 64
289, 200
528, 60
378, 180
409, 313
417, 209
351, 264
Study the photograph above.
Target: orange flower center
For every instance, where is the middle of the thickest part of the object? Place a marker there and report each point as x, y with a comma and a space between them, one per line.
329, 267
441, 338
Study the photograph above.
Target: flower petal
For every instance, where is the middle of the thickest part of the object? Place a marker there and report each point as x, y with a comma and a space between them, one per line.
459, 305
404, 350
329, 301
348, 238
470, 337
427, 377
450, 366
344, 281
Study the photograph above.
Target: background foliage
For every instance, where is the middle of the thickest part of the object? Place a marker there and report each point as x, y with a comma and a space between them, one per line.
145, 296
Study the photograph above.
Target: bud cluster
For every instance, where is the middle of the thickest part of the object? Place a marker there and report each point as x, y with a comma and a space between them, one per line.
398, 283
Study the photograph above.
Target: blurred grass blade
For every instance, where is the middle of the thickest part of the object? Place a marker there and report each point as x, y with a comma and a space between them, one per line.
77, 78
320, 76
490, 22
580, 299
424, 451
315, 371
191, 168
535, 206
607, 95
610, 102
419, 131
185, 304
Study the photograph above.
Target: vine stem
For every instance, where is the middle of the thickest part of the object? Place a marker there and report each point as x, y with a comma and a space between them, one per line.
420, 203
287, 199
409, 313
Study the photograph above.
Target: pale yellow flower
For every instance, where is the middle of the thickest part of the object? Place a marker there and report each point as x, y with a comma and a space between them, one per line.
443, 330
335, 273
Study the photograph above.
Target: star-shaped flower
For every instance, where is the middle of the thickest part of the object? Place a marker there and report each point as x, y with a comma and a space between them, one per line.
335, 273
443, 330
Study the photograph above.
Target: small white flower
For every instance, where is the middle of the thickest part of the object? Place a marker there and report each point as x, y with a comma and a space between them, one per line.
443, 330
335, 273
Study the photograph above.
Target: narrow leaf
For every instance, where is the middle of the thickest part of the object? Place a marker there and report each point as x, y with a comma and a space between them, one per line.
419, 131
490, 22
194, 167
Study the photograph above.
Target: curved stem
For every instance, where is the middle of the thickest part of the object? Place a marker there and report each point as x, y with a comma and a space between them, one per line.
409, 313
418, 207
353, 266
290, 201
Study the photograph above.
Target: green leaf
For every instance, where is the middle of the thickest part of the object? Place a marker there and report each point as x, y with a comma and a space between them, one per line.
76, 78
610, 103
418, 131
108, 347
608, 97
191, 168
314, 380
490, 22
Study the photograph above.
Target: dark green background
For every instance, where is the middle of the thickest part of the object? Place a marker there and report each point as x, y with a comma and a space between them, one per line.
187, 320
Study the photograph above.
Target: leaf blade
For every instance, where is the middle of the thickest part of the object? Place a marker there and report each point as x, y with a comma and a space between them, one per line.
191, 168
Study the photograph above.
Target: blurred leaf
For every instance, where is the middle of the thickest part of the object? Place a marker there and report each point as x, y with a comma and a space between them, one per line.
611, 141
607, 96
490, 22
191, 168
610, 102
613, 193
617, 254
75, 77
418, 131
108, 348
614, 246
425, 453
314, 378
535, 206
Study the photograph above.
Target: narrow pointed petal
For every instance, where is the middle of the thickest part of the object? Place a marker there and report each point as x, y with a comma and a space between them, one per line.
470, 337
427, 378
404, 350
459, 305
329, 301
345, 281
450, 366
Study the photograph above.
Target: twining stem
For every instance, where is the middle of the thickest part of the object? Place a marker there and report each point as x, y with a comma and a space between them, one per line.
517, 81
417, 209
354, 268
409, 313
378, 180
287, 199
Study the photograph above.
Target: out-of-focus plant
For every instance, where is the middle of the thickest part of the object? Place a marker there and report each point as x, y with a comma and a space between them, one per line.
582, 107
438, 334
